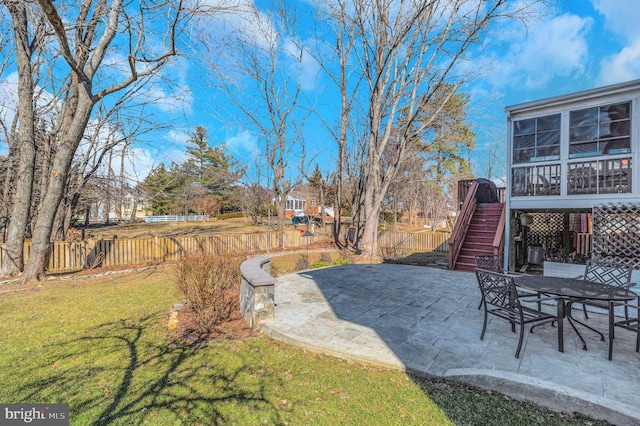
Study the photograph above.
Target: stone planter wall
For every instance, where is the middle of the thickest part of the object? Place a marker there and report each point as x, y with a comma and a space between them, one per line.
257, 291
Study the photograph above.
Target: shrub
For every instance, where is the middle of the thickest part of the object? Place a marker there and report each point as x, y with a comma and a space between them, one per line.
302, 263
207, 283
325, 260
320, 264
264, 210
348, 256
342, 261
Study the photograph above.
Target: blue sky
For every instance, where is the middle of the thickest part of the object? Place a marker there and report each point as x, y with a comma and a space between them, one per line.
578, 45
581, 45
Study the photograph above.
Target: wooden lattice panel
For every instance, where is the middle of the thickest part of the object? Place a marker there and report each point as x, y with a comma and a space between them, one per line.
545, 230
616, 234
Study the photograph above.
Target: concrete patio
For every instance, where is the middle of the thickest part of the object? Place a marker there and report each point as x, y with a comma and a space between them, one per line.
426, 320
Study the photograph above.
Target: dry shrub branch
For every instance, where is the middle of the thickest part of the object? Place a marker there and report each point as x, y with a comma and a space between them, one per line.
209, 284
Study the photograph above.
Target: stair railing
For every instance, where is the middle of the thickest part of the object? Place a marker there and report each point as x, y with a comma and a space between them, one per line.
462, 225
498, 240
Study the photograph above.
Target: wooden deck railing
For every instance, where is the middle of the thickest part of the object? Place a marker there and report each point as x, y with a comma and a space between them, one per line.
498, 240
465, 185
462, 224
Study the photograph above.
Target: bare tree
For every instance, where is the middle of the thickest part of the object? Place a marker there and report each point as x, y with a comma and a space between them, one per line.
408, 51
254, 199
254, 202
259, 66
7, 54
493, 165
335, 57
408, 184
84, 35
25, 146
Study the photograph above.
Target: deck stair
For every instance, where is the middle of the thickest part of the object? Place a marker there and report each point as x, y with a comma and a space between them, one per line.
480, 234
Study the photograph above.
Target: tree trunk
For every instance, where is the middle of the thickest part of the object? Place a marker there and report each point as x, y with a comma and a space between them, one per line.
280, 222
70, 139
58, 231
105, 211
337, 213
368, 243
7, 190
108, 195
322, 212
13, 261
120, 188
134, 208
368, 239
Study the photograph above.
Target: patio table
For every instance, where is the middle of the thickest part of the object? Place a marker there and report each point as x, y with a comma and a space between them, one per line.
566, 289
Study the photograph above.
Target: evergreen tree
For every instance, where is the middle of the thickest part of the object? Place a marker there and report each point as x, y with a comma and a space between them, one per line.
203, 184
449, 136
160, 187
211, 167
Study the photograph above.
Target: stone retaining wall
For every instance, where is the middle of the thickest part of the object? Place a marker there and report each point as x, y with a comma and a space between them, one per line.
257, 291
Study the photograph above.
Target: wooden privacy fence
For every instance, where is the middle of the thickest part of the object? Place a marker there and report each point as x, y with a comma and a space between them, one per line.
418, 241
86, 254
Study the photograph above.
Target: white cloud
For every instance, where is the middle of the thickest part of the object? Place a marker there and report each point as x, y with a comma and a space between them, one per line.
621, 19
557, 47
138, 163
620, 16
256, 28
308, 65
8, 105
172, 149
243, 145
116, 65
179, 99
242, 17
622, 66
170, 91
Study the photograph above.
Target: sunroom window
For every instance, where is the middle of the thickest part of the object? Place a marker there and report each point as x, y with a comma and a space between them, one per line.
535, 180
602, 130
600, 177
536, 139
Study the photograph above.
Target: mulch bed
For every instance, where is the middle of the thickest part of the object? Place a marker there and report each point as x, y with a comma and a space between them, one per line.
235, 328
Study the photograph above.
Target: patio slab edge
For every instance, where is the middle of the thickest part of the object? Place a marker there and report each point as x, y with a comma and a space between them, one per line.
547, 394
337, 353
523, 388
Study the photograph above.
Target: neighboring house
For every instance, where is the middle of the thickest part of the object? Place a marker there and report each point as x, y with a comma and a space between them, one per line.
302, 203
143, 208
573, 187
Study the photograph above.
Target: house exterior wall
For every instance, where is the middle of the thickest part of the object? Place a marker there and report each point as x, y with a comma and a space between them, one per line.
544, 173
572, 152
302, 206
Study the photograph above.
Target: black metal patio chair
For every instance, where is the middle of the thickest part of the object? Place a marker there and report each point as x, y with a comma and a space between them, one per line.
500, 298
493, 262
629, 323
489, 262
606, 273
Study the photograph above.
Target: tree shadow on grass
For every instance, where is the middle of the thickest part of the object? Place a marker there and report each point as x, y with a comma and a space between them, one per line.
127, 373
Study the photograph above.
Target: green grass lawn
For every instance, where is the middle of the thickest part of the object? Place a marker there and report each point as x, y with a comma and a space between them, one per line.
100, 345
